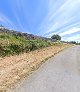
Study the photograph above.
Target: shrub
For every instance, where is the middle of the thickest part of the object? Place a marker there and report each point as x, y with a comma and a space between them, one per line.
17, 44
56, 37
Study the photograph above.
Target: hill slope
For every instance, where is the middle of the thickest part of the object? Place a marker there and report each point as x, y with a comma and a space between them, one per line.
24, 35
13, 42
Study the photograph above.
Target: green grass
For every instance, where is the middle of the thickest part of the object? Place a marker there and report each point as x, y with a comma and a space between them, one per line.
10, 44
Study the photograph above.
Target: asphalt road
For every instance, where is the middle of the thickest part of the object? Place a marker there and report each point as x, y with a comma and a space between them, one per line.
59, 74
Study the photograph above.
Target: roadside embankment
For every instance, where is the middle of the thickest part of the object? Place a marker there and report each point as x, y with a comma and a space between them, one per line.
13, 69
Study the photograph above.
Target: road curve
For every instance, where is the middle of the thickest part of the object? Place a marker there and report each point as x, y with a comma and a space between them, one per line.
60, 74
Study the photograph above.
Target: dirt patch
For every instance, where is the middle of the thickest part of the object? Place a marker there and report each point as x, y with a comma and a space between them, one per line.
14, 68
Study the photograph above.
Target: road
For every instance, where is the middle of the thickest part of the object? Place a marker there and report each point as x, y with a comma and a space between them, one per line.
59, 74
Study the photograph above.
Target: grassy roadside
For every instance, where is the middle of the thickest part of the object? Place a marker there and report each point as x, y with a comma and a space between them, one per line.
11, 44
13, 69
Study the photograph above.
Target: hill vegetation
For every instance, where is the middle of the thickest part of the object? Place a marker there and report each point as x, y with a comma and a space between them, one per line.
13, 42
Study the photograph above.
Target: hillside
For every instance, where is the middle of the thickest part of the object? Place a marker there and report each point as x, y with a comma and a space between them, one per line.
14, 42
15, 68
20, 34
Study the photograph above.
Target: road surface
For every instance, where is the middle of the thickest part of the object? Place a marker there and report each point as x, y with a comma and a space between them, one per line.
59, 74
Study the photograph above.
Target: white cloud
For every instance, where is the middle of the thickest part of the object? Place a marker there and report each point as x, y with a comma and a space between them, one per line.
70, 31
6, 20
61, 15
73, 38
66, 9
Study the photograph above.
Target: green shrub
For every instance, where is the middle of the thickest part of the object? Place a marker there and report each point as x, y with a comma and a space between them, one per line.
17, 44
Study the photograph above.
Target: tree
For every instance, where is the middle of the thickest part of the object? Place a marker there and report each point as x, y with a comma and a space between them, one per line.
73, 42
56, 37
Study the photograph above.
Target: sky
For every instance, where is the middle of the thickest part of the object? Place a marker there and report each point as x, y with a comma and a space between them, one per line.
42, 17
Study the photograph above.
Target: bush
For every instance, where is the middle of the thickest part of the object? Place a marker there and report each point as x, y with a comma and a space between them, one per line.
16, 45
56, 37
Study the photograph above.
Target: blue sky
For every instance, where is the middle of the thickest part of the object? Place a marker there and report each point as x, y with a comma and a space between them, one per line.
42, 17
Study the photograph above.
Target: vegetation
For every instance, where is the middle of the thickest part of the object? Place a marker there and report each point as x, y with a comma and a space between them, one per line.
74, 42
56, 37
11, 44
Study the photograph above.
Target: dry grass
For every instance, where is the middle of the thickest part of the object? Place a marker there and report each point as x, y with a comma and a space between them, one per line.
14, 68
